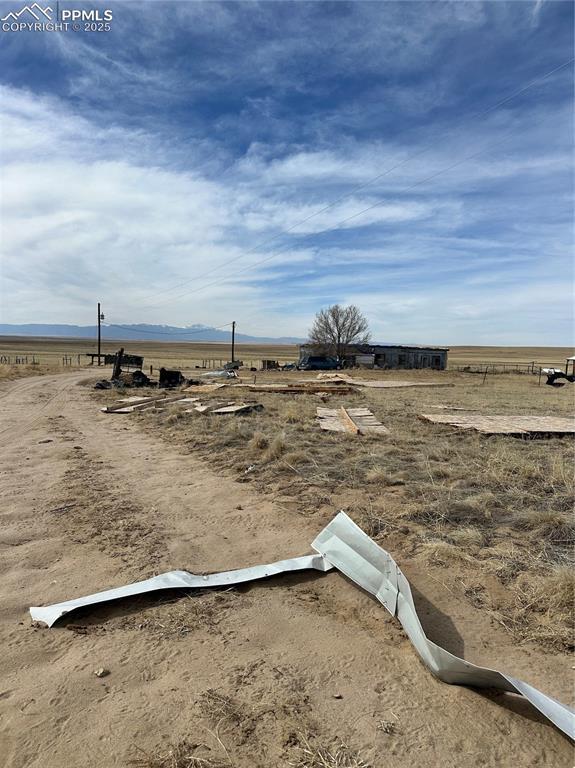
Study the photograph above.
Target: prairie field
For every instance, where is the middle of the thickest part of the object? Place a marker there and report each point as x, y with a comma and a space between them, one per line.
50, 353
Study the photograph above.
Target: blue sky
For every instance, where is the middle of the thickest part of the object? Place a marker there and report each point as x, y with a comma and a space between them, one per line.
176, 168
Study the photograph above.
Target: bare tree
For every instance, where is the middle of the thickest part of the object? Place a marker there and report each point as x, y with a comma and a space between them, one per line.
335, 328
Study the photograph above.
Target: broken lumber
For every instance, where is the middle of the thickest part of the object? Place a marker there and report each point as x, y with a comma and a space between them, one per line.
299, 388
238, 408
353, 420
147, 402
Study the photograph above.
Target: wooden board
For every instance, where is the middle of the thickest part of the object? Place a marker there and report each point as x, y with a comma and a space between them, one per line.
148, 402
379, 383
299, 388
513, 424
329, 420
366, 421
348, 422
238, 408
203, 388
354, 420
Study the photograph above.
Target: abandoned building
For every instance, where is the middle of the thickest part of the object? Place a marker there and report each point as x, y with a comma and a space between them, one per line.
390, 356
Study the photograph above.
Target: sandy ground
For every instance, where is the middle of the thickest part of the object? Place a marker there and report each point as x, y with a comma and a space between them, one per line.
103, 504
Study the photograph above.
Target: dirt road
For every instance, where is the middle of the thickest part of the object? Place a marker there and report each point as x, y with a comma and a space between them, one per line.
90, 502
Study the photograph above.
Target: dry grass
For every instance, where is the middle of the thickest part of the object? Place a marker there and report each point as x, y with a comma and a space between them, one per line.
313, 755
438, 552
185, 614
11, 372
496, 505
185, 754
174, 354
221, 708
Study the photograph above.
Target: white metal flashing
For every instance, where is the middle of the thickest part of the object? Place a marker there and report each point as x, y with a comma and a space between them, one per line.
343, 545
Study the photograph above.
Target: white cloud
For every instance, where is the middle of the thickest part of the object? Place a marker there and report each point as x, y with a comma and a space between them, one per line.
108, 213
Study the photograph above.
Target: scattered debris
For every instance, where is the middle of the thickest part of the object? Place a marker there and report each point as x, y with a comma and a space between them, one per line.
122, 379
203, 408
170, 379
238, 408
357, 421
197, 386
135, 379
219, 375
148, 402
505, 425
554, 375
344, 546
46, 440
301, 388
379, 383
226, 407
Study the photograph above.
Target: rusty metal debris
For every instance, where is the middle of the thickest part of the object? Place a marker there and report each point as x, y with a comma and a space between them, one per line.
344, 546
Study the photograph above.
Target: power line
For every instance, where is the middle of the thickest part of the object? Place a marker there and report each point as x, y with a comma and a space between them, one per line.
355, 189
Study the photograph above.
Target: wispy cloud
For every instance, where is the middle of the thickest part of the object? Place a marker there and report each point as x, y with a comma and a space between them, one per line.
215, 164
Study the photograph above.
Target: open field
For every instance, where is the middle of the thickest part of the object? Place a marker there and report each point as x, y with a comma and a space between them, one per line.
282, 672
187, 355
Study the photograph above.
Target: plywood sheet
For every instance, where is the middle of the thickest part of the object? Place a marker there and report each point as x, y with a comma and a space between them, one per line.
514, 424
353, 420
300, 388
379, 383
238, 408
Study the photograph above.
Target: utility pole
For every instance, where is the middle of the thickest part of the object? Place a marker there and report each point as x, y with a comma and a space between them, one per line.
100, 318
233, 340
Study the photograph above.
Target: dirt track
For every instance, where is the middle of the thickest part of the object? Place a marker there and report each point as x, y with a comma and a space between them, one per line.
103, 504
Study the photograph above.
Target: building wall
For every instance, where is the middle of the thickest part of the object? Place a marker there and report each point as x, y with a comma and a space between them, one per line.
402, 357
398, 357
393, 357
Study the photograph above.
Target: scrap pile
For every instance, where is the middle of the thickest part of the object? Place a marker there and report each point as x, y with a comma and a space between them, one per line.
158, 402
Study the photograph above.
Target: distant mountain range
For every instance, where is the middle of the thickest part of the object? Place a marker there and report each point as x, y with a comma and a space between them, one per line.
141, 332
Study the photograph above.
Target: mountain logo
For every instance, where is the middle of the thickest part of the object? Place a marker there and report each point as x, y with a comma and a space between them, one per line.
35, 10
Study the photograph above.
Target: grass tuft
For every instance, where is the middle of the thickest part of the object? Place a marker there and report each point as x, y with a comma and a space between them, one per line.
320, 756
